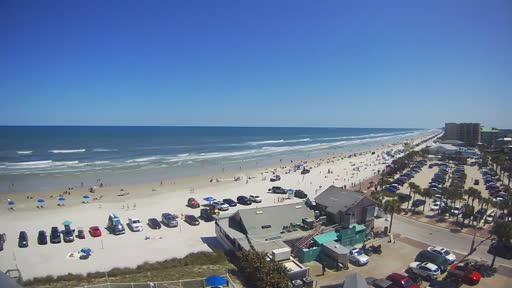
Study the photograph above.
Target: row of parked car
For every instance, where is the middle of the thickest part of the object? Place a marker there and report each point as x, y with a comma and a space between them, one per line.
492, 187
429, 265
57, 236
397, 183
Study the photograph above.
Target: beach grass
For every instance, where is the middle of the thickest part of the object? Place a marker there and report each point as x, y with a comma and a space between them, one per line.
192, 266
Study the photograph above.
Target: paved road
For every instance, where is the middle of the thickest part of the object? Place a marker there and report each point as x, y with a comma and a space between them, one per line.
458, 242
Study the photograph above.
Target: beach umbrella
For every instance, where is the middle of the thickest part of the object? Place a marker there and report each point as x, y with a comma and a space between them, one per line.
86, 197
61, 199
11, 203
86, 250
40, 200
215, 280
67, 222
209, 199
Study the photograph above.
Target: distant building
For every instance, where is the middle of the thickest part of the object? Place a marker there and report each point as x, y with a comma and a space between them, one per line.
448, 149
345, 207
489, 136
469, 133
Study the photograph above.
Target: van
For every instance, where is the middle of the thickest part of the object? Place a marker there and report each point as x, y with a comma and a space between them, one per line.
431, 257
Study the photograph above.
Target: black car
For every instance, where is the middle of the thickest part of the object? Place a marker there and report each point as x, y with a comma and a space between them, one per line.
230, 202
192, 220
42, 239
244, 200
207, 214
153, 223
300, 194
402, 197
417, 203
55, 235
2, 241
68, 234
277, 190
23, 240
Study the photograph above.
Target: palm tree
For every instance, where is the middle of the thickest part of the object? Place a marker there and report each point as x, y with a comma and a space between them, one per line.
467, 212
412, 187
392, 206
503, 232
426, 193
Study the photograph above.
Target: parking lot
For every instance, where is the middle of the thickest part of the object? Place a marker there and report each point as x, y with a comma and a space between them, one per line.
395, 257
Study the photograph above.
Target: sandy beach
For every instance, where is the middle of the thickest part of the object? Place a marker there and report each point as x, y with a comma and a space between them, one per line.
149, 200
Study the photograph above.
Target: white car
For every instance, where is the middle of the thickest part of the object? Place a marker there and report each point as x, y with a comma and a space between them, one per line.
443, 252
425, 269
489, 218
357, 256
135, 224
456, 211
435, 206
255, 198
219, 205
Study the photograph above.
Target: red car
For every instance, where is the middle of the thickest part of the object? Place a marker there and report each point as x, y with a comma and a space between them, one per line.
193, 203
401, 281
464, 273
95, 231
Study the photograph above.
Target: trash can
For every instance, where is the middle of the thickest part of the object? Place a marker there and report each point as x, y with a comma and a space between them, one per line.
308, 282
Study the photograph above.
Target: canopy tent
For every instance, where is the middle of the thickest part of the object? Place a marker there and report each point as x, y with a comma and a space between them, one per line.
209, 199
215, 281
67, 222
40, 200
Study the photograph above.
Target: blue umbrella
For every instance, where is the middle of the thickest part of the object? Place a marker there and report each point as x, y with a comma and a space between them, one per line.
40, 200
61, 198
11, 203
86, 197
209, 199
215, 280
67, 222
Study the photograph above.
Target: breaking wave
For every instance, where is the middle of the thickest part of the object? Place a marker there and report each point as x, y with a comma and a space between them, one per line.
67, 151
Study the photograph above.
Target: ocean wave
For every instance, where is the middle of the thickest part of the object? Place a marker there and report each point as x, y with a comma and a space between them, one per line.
67, 151
24, 152
38, 164
278, 141
145, 159
183, 155
103, 150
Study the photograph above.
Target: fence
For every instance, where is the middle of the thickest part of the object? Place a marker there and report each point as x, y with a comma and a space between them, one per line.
189, 283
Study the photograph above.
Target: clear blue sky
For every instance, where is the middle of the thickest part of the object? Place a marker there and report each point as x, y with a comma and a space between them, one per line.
256, 63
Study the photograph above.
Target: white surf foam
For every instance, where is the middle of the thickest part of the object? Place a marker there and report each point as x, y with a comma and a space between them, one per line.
279, 141
103, 150
24, 152
67, 151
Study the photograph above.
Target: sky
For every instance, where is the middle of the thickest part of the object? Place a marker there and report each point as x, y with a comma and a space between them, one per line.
325, 63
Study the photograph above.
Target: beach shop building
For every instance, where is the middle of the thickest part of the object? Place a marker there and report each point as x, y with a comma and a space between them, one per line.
345, 208
268, 229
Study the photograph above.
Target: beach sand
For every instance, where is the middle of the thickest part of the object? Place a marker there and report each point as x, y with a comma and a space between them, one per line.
149, 200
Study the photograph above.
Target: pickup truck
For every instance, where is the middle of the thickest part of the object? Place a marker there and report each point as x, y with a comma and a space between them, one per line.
135, 224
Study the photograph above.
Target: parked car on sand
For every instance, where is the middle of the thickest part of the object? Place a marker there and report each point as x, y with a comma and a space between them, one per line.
42, 239
191, 220
95, 231
425, 269
153, 223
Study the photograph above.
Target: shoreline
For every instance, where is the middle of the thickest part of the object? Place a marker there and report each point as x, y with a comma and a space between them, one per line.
155, 172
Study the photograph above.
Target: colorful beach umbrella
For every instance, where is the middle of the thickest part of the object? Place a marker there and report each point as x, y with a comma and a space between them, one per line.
215, 280
86, 197
209, 199
61, 199
67, 222
11, 203
40, 200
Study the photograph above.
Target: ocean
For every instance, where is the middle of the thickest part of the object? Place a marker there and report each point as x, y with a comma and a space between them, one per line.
40, 158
